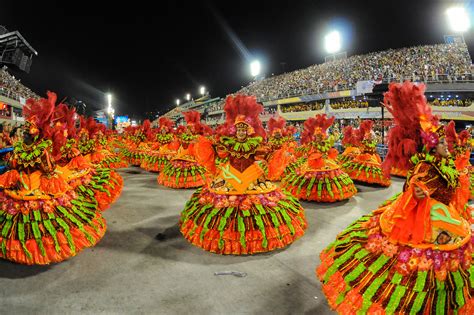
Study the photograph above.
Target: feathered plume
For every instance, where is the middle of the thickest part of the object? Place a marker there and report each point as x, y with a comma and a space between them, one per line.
276, 123
193, 120
39, 112
245, 107
321, 121
365, 128
350, 136
407, 103
165, 122
451, 136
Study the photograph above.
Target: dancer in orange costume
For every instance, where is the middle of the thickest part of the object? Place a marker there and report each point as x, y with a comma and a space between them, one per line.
138, 143
164, 149
351, 144
239, 211
460, 147
413, 254
366, 166
45, 217
280, 139
319, 177
110, 183
183, 171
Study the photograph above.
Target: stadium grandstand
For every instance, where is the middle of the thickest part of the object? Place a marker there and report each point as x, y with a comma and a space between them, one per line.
15, 53
352, 88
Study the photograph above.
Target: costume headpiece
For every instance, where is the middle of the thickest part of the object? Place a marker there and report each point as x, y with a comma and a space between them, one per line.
38, 114
316, 126
241, 109
165, 123
415, 124
350, 137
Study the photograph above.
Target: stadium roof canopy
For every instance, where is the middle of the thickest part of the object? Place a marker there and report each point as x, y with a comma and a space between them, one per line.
15, 50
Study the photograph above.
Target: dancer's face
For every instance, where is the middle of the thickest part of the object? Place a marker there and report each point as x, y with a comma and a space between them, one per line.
241, 132
442, 148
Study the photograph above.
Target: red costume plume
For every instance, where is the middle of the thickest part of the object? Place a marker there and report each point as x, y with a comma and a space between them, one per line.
242, 109
415, 124
276, 124
365, 129
193, 120
147, 129
39, 114
166, 123
316, 125
464, 137
451, 136
350, 136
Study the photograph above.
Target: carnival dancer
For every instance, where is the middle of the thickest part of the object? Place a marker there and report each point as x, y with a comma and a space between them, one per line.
351, 144
413, 254
460, 148
239, 211
183, 171
319, 177
164, 149
110, 183
366, 166
280, 138
44, 217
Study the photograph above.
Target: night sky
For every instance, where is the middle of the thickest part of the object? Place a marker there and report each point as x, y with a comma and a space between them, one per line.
148, 57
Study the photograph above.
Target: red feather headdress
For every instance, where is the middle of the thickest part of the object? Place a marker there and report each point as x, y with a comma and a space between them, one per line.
350, 137
165, 123
242, 109
415, 124
317, 125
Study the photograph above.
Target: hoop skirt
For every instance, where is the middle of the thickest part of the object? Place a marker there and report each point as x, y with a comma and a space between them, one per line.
366, 168
183, 171
320, 179
45, 219
239, 213
409, 256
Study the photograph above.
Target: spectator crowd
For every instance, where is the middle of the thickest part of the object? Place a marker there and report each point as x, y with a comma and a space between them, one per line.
12, 87
350, 104
449, 62
301, 107
452, 102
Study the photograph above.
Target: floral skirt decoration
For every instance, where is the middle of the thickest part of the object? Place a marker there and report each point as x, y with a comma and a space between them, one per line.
291, 168
154, 162
182, 174
322, 186
366, 172
40, 232
114, 162
133, 156
242, 224
363, 273
107, 186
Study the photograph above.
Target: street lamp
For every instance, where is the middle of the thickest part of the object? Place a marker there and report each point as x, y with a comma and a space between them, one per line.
255, 68
458, 19
188, 97
202, 90
177, 102
110, 110
332, 42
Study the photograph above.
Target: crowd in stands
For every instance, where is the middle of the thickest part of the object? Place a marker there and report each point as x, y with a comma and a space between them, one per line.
452, 102
350, 104
301, 107
12, 87
450, 62
215, 107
